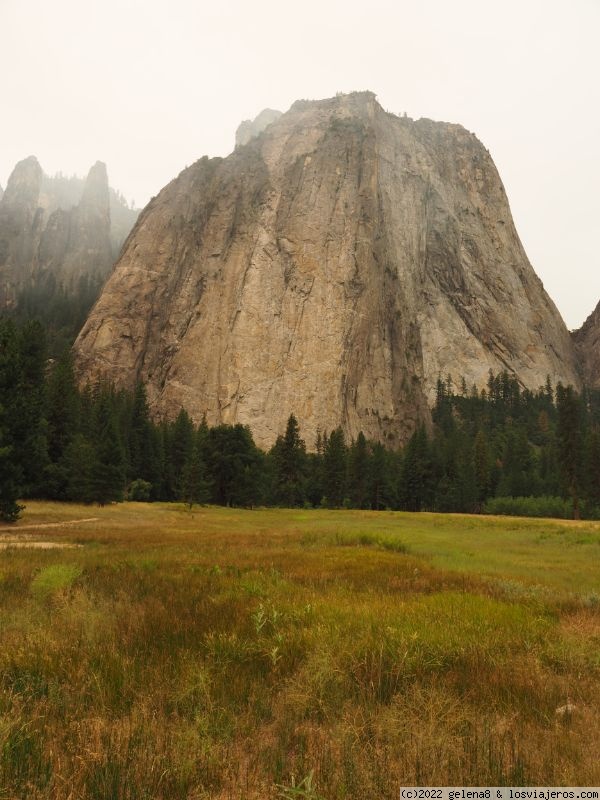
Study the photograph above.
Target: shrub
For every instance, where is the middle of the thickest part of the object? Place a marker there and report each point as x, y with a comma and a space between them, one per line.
139, 490
530, 507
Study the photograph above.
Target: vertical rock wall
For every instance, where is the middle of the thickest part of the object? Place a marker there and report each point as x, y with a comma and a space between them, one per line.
333, 266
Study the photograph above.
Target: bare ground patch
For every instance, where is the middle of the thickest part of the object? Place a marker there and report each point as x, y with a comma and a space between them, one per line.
23, 541
17, 539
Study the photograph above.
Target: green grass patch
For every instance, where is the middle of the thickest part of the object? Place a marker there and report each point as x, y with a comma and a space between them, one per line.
54, 578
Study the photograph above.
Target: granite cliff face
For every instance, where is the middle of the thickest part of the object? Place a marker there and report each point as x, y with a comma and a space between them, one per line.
587, 347
334, 266
59, 227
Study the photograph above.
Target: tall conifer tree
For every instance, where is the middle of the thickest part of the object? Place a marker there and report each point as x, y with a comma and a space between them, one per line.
334, 467
108, 468
289, 458
569, 441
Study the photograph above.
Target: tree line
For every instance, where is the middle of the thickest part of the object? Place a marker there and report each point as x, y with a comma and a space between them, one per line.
499, 449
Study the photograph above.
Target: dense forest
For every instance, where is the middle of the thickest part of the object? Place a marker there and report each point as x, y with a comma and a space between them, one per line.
62, 309
499, 450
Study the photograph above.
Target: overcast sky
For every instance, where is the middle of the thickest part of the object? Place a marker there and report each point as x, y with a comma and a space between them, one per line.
149, 86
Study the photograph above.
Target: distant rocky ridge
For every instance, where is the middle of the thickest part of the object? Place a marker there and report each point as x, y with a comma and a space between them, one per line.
248, 129
58, 227
334, 266
587, 346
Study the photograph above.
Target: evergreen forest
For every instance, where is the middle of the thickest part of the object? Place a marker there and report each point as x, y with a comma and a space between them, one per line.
62, 308
499, 450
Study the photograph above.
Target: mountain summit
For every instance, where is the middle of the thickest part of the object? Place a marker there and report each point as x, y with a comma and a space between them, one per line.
334, 266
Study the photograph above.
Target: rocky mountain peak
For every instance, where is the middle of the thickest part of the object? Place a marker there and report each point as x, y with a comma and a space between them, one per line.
335, 267
249, 129
23, 187
95, 190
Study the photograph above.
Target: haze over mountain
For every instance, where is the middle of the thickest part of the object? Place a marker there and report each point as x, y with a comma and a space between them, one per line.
59, 228
334, 266
250, 128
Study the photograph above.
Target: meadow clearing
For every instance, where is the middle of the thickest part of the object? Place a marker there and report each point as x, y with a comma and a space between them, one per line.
224, 653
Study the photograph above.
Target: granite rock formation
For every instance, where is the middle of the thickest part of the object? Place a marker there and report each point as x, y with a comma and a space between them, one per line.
122, 219
587, 347
59, 227
334, 266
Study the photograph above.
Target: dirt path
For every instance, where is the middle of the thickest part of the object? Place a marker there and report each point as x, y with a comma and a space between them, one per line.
39, 526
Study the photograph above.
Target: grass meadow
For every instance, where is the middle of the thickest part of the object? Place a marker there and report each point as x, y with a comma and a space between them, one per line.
287, 654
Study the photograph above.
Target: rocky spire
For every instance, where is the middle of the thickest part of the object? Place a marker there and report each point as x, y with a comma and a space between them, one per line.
23, 187
77, 242
95, 192
56, 226
20, 226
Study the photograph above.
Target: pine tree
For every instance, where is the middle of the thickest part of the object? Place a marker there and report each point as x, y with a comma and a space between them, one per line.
481, 467
315, 472
592, 468
29, 425
234, 466
416, 488
181, 444
569, 442
519, 478
79, 461
381, 489
549, 391
62, 407
195, 487
289, 459
86, 412
445, 472
143, 458
334, 465
358, 472
63, 417
9, 481
466, 485
108, 469
442, 412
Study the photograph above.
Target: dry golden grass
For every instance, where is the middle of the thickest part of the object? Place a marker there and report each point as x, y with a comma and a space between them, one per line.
240, 654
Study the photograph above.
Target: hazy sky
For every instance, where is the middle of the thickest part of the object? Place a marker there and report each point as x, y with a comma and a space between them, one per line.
149, 86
